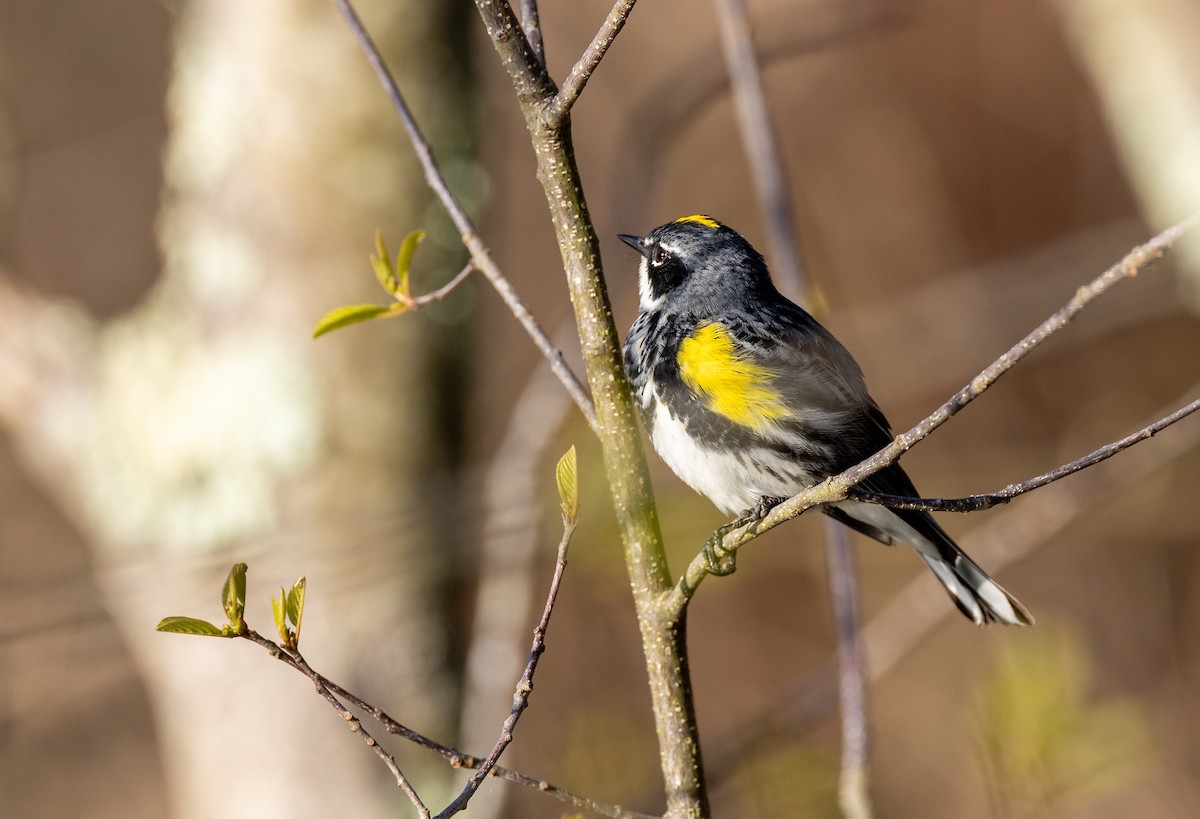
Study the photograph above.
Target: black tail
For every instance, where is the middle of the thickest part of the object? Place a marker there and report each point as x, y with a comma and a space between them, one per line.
977, 596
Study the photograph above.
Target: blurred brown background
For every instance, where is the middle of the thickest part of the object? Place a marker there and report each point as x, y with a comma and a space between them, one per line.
185, 188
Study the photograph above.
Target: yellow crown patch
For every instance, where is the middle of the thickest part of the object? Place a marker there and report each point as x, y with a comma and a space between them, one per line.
700, 219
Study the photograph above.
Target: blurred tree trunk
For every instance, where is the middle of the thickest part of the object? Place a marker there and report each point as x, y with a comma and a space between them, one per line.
1143, 61
206, 427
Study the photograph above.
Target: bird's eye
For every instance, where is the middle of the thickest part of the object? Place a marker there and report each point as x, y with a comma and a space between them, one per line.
659, 255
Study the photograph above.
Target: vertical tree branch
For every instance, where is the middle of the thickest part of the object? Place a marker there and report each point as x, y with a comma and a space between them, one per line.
766, 166
854, 796
531, 24
663, 636
663, 632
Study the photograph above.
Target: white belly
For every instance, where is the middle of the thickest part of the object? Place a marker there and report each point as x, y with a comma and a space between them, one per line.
733, 484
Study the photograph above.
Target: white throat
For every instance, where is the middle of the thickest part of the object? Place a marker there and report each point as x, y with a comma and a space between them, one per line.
646, 294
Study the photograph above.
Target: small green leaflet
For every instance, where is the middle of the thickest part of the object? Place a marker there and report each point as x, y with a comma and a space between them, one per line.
190, 625
295, 604
277, 607
345, 316
382, 264
567, 476
289, 612
233, 594
404, 259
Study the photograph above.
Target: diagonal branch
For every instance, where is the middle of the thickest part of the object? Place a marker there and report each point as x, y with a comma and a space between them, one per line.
524, 686
505, 566
581, 72
455, 757
1014, 533
975, 503
912, 614
481, 256
446, 289
334, 693
837, 487
297, 661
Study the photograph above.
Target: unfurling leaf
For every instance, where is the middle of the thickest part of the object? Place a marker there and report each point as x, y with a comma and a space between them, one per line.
233, 595
404, 261
567, 476
295, 606
392, 277
352, 314
382, 265
190, 625
278, 608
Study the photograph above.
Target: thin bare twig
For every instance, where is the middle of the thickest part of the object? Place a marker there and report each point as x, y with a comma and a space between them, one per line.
458, 759
1012, 535
488, 766
837, 487
581, 72
914, 612
524, 686
293, 658
446, 289
975, 503
758, 141
531, 24
455, 757
480, 254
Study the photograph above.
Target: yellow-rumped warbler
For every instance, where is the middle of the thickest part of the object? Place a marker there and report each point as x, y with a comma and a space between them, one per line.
749, 400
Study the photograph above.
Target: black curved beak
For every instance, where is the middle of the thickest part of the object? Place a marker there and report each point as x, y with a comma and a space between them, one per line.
635, 242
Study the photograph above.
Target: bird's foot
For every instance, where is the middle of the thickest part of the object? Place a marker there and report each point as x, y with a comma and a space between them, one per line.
763, 508
721, 562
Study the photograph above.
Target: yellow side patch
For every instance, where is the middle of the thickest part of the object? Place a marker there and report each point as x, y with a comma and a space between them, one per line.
700, 219
729, 384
